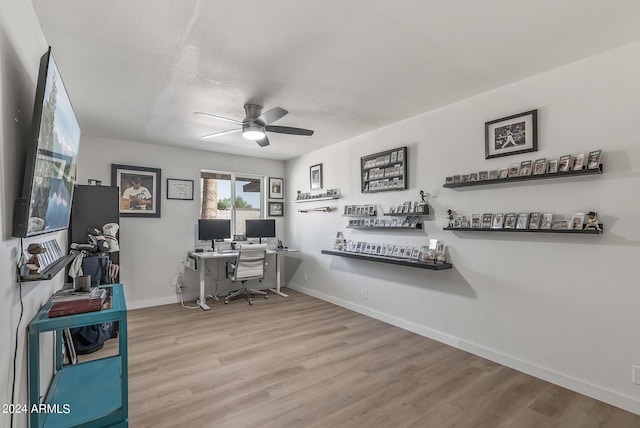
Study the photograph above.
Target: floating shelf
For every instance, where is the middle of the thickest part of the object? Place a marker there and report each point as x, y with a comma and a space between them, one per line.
575, 232
582, 172
389, 260
52, 270
417, 227
407, 214
324, 198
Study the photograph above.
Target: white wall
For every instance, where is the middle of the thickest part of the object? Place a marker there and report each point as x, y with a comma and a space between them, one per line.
21, 45
153, 248
561, 307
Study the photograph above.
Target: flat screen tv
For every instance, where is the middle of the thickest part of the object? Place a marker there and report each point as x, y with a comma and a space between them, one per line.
260, 228
52, 151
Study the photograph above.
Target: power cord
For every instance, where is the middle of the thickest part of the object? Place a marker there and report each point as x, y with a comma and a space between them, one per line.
15, 350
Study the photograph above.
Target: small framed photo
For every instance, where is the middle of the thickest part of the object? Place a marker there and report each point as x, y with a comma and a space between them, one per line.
493, 174
545, 221
476, 221
514, 170
139, 190
457, 221
456, 178
534, 221
510, 221
180, 189
511, 135
539, 166
522, 221
578, 162
448, 180
464, 178
483, 175
564, 165
473, 176
276, 188
560, 224
504, 172
315, 177
577, 220
276, 209
486, 220
525, 168
498, 221
593, 161
552, 166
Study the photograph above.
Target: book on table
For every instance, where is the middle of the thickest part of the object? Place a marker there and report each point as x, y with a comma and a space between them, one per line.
69, 294
71, 307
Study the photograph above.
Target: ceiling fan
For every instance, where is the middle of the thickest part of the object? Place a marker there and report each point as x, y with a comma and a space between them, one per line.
255, 124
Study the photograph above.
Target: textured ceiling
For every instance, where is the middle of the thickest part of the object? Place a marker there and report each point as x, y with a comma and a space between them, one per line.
137, 70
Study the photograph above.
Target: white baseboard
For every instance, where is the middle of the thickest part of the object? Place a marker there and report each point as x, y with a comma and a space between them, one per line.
138, 304
610, 397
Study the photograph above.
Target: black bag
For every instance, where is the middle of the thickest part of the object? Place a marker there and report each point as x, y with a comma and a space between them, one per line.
97, 267
91, 338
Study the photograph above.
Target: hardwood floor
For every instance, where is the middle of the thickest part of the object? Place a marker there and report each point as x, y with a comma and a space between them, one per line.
302, 362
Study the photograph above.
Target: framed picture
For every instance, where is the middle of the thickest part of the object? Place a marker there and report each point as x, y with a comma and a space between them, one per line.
564, 165
593, 161
545, 220
276, 209
577, 220
514, 170
486, 220
511, 135
539, 166
534, 221
578, 162
552, 166
498, 221
510, 221
276, 188
315, 177
139, 190
180, 189
523, 221
525, 167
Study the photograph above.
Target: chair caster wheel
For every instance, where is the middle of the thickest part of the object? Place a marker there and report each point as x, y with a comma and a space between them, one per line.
266, 297
226, 302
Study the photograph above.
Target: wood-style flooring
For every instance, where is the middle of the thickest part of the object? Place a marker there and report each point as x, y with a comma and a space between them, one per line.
302, 362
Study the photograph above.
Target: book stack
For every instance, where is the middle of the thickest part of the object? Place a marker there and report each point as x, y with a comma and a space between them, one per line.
70, 302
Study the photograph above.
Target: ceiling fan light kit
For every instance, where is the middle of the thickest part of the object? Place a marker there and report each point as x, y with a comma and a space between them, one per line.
256, 124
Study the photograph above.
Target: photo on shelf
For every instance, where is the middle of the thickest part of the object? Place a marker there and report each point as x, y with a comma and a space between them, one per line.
464, 178
486, 220
564, 165
539, 166
493, 174
456, 178
560, 224
448, 180
534, 221
510, 221
545, 221
473, 176
523, 221
593, 161
578, 162
476, 221
514, 169
498, 221
457, 221
504, 172
552, 166
483, 175
577, 220
525, 168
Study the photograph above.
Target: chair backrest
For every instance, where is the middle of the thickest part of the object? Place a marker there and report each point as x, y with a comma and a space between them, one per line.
250, 263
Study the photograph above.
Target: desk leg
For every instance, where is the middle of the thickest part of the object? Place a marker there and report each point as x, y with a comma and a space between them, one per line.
202, 301
277, 289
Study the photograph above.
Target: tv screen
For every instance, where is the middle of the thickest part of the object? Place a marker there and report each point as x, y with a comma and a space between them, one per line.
50, 170
214, 229
260, 228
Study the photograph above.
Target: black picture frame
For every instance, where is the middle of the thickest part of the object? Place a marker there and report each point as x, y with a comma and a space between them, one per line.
315, 177
385, 171
180, 189
276, 188
276, 209
511, 135
149, 202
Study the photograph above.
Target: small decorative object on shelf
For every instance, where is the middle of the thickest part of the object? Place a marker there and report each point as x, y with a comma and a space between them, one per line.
384, 171
592, 222
450, 216
318, 209
308, 197
340, 243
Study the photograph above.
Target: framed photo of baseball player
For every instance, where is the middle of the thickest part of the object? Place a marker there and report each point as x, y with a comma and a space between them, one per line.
511, 135
139, 189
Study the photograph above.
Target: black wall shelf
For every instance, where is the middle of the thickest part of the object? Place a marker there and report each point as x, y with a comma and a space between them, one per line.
582, 172
389, 260
324, 198
426, 212
575, 232
417, 227
52, 270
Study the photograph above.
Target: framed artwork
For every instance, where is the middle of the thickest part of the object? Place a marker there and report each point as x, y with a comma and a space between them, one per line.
276, 188
276, 209
139, 190
315, 177
180, 189
511, 135
593, 161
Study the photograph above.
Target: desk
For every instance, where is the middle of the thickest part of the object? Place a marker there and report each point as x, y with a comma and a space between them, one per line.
201, 258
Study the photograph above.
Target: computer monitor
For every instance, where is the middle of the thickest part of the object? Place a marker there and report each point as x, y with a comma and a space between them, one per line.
260, 229
214, 229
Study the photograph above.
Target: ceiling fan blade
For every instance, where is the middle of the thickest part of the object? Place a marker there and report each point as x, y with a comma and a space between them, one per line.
237, 122
271, 116
289, 130
263, 142
218, 134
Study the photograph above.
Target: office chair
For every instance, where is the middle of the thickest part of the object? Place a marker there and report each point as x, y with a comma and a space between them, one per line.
250, 264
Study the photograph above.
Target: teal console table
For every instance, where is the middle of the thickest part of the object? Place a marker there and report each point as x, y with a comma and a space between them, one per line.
89, 394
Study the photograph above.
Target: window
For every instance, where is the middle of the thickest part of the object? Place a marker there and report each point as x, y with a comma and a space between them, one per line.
219, 189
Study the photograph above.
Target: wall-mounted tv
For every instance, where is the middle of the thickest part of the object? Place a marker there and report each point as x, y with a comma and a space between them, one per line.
52, 151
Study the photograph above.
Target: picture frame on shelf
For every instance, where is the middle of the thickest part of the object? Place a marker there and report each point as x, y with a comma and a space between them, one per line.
552, 166
560, 224
522, 221
510, 221
276, 209
476, 221
180, 189
539, 166
525, 168
534, 221
504, 172
315, 177
486, 220
139, 189
493, 174
546, 220
593, 160
498, 221
514, 170
577, 163
577, 221
564, 164
276, 188
511, 135
483, 175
